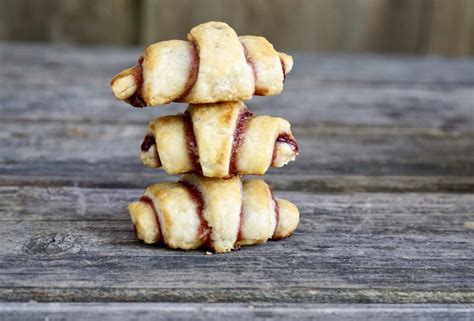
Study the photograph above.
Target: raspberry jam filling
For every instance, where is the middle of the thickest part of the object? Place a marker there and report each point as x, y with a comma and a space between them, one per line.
148, 141
147, 200
284, 138
136, 100
241, 223
204, 231
283, 68
250, 61
191, 143
244, 117
135, 231
193, 74
277, 213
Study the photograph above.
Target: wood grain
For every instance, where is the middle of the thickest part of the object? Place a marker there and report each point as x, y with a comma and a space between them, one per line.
63, 244
166, 311
81, 154
367, 125
451, 27
364, 123
392, 92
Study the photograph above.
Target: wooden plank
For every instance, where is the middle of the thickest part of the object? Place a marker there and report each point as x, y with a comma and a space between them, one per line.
348, 69
300, 24
72, 244
69, 21
388, 26
20, 203
14, 26
305, 25
335, 158
355, 151
451, 31
190, 311
110, 175
406, 26
323, 90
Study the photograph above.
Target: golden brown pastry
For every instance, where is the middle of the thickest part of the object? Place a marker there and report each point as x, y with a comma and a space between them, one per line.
220, 214
214, 65
218, 140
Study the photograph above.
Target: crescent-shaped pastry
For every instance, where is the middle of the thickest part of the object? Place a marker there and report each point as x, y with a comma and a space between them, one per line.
218, 140
220, 214
215, 65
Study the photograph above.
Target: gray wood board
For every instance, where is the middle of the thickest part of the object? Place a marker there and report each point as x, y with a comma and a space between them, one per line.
77, 244
112, 175
393, 92
365, 123
221, 311
69, 165
346, 152
107, 155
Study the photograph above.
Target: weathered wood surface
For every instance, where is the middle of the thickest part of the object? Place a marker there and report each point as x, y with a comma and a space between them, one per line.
107, 155
168, 311
367, 125
390, 248
433, 95
356, 118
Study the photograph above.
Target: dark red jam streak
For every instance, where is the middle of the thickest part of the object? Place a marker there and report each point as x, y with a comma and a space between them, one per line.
277, 214
283, 68
204, 231
136, 100
241, 223
190, 139
135, 231
284, 138
149, 141
239, 132
147, 200
250, 62
193, 75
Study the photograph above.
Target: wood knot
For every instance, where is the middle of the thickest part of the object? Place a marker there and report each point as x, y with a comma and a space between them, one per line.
53, 243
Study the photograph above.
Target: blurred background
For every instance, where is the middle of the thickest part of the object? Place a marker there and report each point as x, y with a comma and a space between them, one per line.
441, 27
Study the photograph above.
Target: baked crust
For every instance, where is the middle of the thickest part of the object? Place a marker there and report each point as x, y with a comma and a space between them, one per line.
235, 214
229, 141
171, 58
260, 146
268, 68
124, 84
215, 65
224, 74
170, 144
258, 218
222, 199
214, 128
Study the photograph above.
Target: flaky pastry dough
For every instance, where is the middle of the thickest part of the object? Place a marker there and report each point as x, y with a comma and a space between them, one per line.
218, 140
220, 214
215, 65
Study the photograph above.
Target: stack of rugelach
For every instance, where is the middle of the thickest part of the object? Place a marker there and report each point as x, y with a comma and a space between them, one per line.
213, 143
